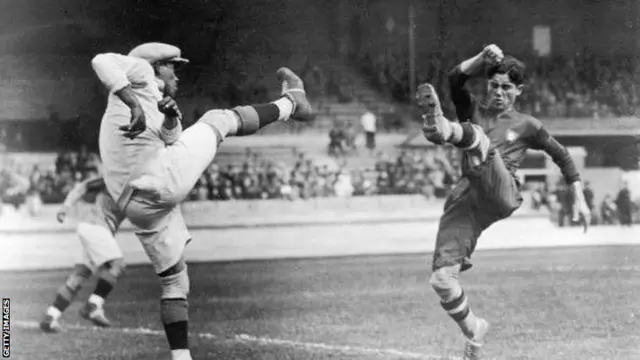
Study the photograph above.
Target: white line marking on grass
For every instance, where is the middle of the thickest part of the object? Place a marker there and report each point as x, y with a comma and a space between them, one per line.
266, 341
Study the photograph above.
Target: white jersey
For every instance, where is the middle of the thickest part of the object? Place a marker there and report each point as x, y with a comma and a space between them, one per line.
123, 157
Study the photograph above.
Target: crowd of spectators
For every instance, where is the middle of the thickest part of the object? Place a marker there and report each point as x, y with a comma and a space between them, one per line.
430, 173
613, 209
584, 86
20, 185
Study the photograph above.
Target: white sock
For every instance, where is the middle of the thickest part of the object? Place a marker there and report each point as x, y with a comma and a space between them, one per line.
53, 312
182, 354
97, 300
285, 105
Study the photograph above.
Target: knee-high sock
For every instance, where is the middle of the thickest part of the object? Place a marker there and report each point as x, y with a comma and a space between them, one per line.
453, 298
174, 308
108, 276
251, 118
68, 291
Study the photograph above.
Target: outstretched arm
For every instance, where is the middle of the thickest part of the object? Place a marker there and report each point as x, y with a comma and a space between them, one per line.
76, 193
544, 141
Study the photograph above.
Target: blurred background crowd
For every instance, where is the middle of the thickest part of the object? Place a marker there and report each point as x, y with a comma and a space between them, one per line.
360, 61
580, 87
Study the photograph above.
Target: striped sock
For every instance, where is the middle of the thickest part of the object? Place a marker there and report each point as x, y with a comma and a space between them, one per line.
457, 308
460, 312
471, 138
467, 138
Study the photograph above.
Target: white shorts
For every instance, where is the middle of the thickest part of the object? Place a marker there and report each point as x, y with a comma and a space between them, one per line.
97, 229
161, 230
98, 245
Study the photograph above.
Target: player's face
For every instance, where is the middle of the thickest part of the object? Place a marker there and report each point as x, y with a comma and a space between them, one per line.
167, 74
502, 92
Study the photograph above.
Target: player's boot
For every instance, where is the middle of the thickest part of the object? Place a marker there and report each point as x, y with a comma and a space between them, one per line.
94, 314
435, 127
293, 88
473, 347
50, 325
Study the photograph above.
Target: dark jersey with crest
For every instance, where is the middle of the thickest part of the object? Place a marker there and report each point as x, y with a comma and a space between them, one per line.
511, 133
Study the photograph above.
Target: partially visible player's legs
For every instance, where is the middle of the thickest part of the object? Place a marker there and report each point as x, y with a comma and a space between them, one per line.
459, 229
196, 148
64, 297
174, 309
97, 235
108, 274
164, 235
454, 301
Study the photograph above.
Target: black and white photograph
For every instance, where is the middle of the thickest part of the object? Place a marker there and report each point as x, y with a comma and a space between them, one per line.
320, 179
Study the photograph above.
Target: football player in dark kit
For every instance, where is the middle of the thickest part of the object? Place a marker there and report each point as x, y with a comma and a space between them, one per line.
495, 138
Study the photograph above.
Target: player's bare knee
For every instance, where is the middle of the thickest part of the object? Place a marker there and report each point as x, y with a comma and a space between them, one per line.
445, 282
79, 275
74, 281
112, 270
175, 282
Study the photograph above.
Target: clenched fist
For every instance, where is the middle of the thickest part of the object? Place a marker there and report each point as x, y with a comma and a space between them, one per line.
492, 54
169, 107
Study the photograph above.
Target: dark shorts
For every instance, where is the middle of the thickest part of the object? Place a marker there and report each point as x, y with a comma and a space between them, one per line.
485, 195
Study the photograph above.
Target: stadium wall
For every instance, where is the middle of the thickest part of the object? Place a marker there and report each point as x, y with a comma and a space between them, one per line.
266, 213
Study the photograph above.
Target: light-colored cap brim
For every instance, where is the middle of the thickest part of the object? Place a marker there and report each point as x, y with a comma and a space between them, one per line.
179, 60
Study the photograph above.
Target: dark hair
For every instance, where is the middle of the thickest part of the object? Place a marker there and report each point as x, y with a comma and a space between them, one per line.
511, 66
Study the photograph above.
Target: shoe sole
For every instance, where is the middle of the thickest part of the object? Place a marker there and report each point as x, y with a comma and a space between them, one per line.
429, 103
304, 111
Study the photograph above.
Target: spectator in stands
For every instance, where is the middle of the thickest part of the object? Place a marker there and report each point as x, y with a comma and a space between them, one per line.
565, 203
343, 186
337, 141
13, 187
588, 197
608, 210
623, 203
368, 121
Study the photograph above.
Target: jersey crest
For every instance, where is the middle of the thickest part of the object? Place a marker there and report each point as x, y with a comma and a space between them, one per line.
511, 135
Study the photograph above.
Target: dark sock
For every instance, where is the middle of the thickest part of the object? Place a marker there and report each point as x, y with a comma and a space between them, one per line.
61, 303
175, 319
177, 335
255, 117
267, 113
103, 288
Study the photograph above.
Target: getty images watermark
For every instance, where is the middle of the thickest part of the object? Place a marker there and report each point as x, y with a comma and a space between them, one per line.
6, 327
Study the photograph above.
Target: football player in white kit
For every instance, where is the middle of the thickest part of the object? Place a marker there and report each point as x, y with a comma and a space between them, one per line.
150, 165
98, 222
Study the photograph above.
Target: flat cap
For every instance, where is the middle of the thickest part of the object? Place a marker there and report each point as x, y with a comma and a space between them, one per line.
155, 52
